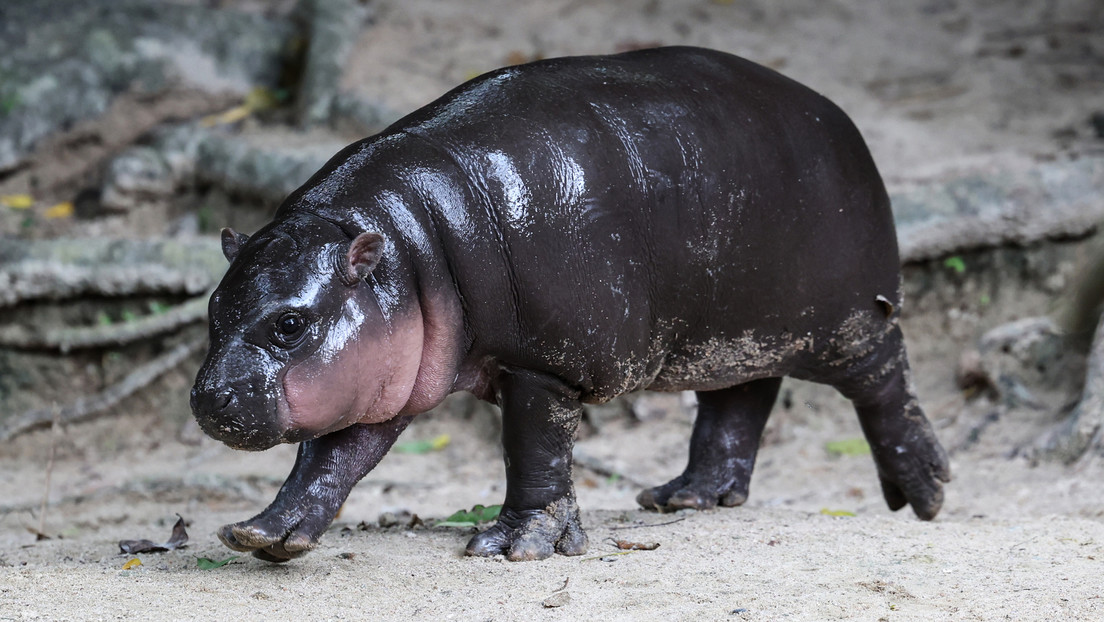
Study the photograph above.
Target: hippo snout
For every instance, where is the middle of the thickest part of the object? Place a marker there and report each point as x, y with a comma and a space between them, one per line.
220, 414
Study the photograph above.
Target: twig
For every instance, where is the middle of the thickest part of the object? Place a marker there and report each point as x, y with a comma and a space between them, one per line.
49, 473
87, 408
670, 522
597, 466
614, 554
67, 338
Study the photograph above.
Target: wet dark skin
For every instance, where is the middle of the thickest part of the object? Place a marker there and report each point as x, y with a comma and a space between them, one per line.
561, 233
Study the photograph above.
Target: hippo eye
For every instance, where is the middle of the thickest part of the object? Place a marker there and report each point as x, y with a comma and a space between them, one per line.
289, 329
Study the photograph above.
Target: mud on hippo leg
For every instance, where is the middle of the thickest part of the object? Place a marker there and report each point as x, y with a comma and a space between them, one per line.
723, 445
912, 465
540, 515
325, 471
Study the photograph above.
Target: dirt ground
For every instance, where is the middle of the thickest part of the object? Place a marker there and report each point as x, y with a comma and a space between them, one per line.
937, 87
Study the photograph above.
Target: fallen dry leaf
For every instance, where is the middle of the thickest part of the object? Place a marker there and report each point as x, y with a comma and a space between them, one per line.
626, 545
178, 540
17, 201
61, 210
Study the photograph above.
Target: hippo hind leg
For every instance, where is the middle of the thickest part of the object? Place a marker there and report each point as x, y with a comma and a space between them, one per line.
912, 465
722, 449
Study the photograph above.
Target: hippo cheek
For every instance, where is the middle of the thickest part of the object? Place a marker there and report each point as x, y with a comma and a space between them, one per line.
368, 380
321, 396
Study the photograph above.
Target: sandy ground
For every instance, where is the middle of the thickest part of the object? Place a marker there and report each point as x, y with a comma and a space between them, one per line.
936, 87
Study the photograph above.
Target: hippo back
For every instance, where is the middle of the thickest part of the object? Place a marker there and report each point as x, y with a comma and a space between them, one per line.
652, 219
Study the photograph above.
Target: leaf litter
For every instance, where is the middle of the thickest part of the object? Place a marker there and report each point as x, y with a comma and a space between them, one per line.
470, 518
178, 540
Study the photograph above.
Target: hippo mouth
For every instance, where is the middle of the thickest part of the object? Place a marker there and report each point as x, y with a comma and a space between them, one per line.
237, 435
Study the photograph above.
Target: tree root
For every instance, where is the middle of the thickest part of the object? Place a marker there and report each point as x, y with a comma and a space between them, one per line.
87, 408
63, 269
72, 338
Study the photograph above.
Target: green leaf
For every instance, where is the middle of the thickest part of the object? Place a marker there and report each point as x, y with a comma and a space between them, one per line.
103, 319
424, 446
206, 563
157, 308
827, 512
956, 263
470, 518
205, 218
8, 103
848, 447
128, 315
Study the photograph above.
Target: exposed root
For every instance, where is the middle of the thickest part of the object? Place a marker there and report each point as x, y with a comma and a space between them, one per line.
72, 338
65, 269
87, 408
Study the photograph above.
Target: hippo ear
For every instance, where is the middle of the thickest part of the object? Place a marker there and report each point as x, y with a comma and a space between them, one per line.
363, 256
232, 242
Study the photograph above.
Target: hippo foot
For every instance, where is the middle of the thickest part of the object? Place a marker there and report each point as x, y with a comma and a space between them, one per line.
270, 539
533, 534
683, 493
914, 478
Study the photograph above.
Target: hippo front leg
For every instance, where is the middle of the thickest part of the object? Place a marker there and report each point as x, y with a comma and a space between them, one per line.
540, 515
325, 471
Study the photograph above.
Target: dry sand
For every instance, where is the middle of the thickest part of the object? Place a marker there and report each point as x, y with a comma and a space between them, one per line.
935, 86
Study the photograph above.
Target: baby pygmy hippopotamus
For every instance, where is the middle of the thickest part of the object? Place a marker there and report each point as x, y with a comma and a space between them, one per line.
561, 233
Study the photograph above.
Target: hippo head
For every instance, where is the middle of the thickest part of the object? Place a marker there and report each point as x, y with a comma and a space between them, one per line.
312, 329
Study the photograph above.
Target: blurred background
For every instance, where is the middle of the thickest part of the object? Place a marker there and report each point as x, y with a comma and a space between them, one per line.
132, 131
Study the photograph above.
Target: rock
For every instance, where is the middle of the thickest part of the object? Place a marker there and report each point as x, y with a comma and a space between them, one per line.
178, 146
138, 176
334, 28
354, 115
1000, 207
62, 61
1018, 360
262, 172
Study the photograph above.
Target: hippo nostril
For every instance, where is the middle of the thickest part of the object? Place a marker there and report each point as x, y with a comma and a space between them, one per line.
211, 402
222, 399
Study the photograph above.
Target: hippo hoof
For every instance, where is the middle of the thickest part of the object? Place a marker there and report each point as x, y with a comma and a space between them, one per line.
918, 483
681, 494
250, 537
530, 536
